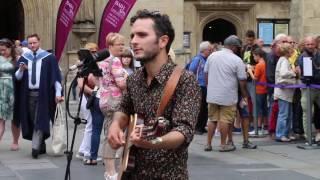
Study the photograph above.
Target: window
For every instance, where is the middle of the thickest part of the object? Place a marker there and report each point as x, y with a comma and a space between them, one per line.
268, 29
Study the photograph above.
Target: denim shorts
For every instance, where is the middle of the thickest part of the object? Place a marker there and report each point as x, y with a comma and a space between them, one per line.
261, 105
245, 111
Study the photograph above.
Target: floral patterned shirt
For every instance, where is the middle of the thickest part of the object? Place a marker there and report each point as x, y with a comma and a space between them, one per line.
113, 73
182, 112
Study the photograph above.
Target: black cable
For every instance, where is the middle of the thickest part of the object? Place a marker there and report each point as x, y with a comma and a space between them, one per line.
66, 102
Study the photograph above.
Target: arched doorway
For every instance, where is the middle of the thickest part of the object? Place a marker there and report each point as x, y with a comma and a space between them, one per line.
218, 30
11, 19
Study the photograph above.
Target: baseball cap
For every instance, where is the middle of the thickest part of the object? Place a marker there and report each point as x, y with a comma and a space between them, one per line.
233, 40
24, 43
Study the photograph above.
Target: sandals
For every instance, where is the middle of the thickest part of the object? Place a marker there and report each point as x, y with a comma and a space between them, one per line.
208, 148
90, 162
227, 148
14, 147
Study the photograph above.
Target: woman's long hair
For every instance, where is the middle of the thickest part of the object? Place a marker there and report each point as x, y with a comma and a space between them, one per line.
9, 44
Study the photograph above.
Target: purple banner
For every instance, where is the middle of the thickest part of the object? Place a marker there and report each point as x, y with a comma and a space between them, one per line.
66, 14
114, 15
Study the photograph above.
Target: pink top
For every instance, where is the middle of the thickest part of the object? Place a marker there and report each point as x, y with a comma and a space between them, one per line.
112, 82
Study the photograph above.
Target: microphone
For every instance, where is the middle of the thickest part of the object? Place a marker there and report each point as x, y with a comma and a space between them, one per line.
75, 66
89, 58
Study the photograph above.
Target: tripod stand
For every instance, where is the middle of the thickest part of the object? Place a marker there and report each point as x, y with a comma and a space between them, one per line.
84, 73
77, 121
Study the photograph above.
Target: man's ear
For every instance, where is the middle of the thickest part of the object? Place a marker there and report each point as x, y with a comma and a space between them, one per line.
163, 41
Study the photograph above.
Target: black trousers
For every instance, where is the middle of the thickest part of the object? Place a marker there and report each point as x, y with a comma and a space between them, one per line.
203, 114
37, 137
297, 123
316, 116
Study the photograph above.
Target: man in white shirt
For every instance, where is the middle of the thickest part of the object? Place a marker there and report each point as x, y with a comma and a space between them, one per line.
225, 71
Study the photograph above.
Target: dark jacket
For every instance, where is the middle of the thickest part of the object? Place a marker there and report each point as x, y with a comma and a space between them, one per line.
272, 60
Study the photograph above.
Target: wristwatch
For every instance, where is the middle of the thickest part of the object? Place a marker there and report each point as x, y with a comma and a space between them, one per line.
157, 140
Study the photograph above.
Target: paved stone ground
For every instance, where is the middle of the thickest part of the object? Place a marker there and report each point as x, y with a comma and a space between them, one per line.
272, 160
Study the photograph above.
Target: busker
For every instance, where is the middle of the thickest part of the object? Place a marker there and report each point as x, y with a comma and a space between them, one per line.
164, 156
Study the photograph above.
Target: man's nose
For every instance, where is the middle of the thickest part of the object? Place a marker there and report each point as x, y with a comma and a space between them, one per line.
134, 40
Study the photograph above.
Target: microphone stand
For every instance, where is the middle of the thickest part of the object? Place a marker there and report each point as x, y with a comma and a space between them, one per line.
77, 121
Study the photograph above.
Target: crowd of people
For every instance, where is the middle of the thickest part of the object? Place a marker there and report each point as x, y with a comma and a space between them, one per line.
238, 78
214, 94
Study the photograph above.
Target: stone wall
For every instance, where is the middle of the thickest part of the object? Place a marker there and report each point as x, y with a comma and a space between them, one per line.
186, 16
40, 15
296, 11
243, 14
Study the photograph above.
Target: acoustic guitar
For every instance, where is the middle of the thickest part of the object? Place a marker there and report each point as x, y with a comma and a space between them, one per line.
126, 149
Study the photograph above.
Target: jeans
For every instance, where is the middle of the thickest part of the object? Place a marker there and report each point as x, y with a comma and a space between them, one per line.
297, 125
97, 124
284, 119
261, 105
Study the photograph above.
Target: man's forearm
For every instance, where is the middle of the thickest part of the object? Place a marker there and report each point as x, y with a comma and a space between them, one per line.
172, 140
121, 118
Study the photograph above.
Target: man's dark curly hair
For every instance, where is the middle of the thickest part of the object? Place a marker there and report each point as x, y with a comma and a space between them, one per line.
250, 34
162, 24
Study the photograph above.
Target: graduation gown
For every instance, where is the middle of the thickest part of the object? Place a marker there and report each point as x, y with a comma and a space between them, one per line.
50, 73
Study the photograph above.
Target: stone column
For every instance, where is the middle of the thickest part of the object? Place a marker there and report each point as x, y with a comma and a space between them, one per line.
84, 25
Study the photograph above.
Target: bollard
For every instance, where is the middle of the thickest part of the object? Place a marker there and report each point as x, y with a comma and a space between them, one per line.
309, 115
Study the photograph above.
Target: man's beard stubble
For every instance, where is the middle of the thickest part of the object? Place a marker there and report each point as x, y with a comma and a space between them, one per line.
149, 56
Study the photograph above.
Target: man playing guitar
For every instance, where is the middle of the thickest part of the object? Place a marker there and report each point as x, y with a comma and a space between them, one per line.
164, 155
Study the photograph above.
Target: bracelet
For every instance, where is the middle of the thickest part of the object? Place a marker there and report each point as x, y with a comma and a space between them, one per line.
157, 140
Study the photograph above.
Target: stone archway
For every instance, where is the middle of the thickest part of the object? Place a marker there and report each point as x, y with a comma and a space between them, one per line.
227, 17
40, 18
12, 20
218, 30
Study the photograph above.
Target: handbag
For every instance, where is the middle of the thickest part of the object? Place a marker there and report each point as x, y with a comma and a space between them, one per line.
287, 81
59, 132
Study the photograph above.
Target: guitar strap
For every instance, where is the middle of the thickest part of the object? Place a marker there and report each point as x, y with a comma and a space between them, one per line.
169, 89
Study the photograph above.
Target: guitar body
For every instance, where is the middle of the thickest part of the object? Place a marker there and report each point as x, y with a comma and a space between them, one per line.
126, 149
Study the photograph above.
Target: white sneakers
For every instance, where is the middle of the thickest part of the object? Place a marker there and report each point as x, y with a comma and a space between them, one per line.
113, 177
261, 132
317, 139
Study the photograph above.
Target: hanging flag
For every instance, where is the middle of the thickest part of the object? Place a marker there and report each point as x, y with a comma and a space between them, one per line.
66, 14
114, 15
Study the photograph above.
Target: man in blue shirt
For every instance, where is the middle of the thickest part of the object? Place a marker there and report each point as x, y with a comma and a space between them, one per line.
197, 67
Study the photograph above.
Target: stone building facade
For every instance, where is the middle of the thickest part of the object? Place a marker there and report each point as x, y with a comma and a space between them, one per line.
194, 20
